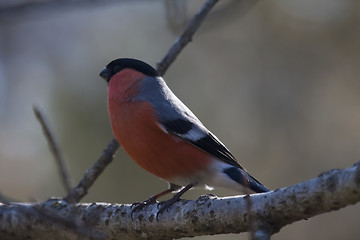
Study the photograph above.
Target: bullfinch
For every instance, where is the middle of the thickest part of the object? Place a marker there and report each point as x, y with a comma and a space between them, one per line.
164, 137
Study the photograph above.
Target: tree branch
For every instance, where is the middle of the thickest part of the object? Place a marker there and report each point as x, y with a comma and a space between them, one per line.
55, 149
39, 212
207, 215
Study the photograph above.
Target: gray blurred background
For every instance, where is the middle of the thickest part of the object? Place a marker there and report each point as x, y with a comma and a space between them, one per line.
276, 80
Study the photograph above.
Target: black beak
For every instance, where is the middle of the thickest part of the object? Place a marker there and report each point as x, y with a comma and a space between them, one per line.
105, 74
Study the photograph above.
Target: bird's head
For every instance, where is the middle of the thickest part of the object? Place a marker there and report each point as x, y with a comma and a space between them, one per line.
120, 64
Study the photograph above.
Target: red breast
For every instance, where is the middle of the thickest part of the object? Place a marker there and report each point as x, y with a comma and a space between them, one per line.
134, 124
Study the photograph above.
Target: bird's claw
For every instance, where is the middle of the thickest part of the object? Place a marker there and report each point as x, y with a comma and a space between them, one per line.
165, 205
138, 206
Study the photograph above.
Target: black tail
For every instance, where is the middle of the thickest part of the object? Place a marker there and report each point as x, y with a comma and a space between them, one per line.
256, 186
242, 177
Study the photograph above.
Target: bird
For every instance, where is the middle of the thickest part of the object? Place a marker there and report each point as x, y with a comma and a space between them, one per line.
162, 135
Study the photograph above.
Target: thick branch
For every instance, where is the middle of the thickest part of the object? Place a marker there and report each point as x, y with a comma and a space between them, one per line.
330, 191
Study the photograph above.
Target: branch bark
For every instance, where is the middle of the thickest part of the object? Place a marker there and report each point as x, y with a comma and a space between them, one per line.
207, 215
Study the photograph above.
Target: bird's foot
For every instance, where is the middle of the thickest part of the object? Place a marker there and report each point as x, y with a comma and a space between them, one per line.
138, 206
165, 205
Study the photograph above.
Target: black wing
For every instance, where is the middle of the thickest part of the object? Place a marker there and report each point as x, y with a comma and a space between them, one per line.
207, 142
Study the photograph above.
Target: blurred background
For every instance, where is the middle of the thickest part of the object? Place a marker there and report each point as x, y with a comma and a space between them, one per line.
276, 80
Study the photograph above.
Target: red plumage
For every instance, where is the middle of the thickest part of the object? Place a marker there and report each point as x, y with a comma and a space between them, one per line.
135, 126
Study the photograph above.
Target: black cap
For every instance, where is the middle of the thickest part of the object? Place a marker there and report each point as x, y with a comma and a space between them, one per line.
119, 64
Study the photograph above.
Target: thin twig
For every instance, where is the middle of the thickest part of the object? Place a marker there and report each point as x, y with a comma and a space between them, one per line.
55, 149
185, 37
249, 207
251, 217
93, 173
107, 156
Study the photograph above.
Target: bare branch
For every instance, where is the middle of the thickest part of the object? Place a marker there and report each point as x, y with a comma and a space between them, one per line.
93, 173
185, 37
37, 212
55, 149
329, 191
